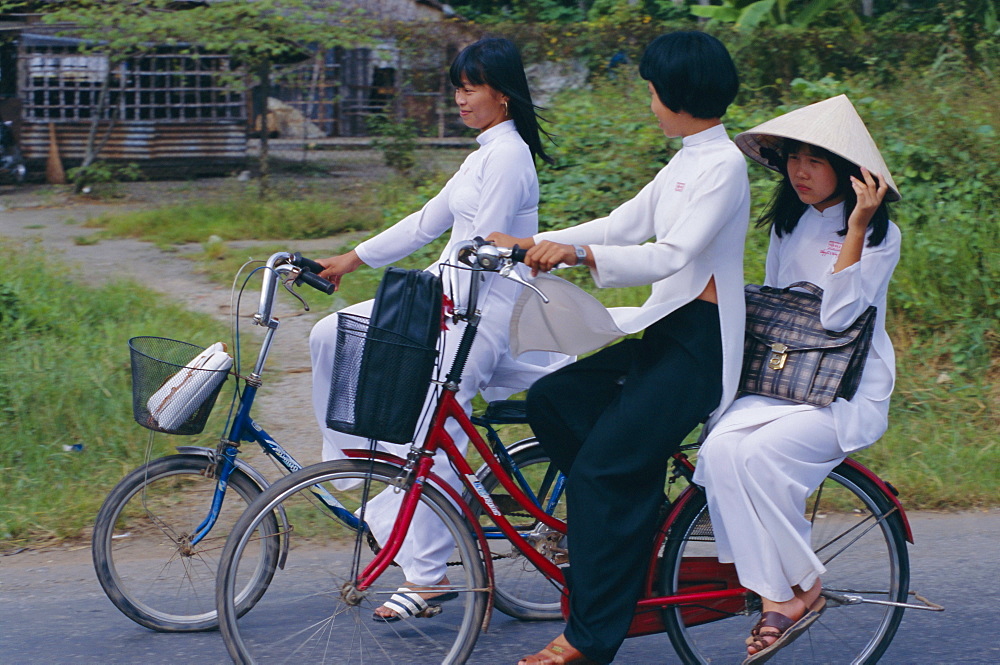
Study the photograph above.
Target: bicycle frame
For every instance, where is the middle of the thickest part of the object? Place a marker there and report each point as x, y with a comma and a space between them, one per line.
244, 428
552, 486
438, 438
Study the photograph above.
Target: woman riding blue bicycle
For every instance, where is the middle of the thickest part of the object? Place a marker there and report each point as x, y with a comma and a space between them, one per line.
495, 189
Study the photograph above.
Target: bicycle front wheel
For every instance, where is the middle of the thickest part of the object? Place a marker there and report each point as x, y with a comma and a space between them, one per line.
314, 612
860, 539
142, 544
520, 589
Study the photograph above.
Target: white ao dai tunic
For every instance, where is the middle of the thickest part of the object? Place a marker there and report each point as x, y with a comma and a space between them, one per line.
495, 189
765, 456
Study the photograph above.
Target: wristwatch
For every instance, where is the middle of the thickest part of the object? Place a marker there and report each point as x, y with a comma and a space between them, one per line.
581, 254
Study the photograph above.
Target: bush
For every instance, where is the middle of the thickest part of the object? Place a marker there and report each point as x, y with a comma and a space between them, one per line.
103, 179
607, 147
396, 139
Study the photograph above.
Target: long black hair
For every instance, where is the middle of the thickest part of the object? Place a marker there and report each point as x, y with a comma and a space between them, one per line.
785, 208
496, 62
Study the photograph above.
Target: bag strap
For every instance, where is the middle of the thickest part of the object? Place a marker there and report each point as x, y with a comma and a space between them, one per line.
808, 286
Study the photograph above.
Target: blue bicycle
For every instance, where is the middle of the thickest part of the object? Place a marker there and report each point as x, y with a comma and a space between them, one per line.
159, 533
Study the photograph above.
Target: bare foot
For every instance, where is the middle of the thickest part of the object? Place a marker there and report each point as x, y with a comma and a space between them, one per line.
810, 595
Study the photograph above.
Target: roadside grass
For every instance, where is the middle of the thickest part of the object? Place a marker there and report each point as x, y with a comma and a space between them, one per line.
941, 450
291, 212
66, 378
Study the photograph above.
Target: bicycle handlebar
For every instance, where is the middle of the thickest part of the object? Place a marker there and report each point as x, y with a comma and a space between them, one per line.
310, 274
303, 270
484, 256
517, 254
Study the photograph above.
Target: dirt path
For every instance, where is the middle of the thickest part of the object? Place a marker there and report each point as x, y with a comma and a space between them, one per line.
56, 221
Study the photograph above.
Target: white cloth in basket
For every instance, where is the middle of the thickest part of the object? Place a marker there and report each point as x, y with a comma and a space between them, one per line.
182, 394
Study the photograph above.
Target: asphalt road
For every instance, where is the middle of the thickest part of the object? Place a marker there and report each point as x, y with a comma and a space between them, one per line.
52, 610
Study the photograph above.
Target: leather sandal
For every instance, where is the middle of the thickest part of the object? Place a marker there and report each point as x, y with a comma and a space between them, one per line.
557, 654
781, 627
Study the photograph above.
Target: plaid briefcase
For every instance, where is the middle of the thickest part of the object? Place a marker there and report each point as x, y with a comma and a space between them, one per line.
789, 355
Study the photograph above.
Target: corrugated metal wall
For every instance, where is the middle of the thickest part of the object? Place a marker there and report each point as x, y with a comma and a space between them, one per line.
215, 148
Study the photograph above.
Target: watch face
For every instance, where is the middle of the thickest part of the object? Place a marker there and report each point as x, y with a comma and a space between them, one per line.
581, 254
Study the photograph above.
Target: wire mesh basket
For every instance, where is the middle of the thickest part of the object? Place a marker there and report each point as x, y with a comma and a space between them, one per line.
175, 384
380, 381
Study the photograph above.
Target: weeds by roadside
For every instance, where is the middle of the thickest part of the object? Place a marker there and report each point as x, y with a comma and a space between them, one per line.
66, 379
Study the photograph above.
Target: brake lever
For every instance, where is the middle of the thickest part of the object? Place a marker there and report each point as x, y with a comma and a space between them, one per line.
293, 275
507, 272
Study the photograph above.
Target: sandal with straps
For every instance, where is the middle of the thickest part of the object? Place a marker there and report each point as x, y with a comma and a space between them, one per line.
786, 630
408, 603
557, 654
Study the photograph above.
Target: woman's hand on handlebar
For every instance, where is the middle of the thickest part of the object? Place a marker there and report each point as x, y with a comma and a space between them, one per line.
542, 257
546, 255
335, 267
504, 240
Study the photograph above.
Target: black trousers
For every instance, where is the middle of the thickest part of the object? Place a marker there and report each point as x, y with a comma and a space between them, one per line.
611, 421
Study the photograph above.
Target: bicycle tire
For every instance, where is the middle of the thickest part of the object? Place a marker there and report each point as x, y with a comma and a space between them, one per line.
311, 615
520, 590
872, 560
140, 556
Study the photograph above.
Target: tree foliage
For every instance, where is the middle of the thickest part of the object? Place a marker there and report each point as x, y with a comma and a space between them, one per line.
746, 14
749, 14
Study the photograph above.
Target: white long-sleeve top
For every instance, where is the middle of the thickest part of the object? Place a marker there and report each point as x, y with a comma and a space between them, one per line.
684, 227
808, 254
495, 189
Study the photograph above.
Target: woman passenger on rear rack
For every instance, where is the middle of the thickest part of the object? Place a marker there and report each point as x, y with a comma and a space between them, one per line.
495, 189
765, 456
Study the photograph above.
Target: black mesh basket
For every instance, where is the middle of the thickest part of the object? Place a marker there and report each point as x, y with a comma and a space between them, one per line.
167, 395
380, 381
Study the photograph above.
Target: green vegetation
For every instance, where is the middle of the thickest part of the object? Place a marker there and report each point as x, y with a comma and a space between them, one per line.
103, 180
300, 213
66, 379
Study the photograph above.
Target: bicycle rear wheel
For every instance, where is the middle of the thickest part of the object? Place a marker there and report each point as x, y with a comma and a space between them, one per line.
313, 612
520, 589
862, 542
142, 552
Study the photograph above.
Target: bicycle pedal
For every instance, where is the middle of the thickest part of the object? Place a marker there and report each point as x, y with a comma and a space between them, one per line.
431, 611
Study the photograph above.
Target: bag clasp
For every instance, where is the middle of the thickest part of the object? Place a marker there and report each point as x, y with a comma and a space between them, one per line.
779, 354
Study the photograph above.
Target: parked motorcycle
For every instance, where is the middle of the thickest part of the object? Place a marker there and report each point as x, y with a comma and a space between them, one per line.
11, 161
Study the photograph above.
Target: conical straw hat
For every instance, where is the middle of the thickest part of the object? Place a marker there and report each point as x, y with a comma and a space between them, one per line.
832, 124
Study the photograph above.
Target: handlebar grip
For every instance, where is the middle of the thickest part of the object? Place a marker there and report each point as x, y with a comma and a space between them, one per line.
517, 254
307, 264
316, 281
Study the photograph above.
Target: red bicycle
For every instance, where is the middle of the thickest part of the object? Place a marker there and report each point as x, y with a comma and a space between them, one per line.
319, 607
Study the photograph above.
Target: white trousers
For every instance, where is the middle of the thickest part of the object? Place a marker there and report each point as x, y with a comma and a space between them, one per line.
757, 479
425, 551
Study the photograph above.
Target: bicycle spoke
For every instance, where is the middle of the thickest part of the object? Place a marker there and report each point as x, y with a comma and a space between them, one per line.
858, 524
153, 575
313, 614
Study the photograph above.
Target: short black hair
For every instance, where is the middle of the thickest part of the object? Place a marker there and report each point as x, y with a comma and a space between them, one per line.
785, 208
691, 71
496, 62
